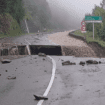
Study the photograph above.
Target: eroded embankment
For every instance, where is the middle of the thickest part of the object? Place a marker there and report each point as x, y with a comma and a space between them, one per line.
98, 50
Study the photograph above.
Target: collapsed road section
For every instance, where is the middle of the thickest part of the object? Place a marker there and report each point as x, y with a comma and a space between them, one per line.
34, 50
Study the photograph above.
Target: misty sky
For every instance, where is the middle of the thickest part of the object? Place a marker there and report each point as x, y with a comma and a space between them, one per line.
78, 7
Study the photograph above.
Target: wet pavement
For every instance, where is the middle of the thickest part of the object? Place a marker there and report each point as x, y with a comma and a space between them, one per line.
73, 84
34, 39
32, 74
78, 85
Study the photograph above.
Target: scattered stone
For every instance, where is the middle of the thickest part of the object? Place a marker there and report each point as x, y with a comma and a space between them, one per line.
62, 60
6, 70
40, 97
91, 62
0, 74
97, 91
82, 63
5, 61
45, 71
42, 54
100, 62
9, 77
68, 63
72, 63
43, 59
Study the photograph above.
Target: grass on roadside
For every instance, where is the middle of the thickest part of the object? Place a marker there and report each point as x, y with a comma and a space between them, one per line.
2, 35
89, 37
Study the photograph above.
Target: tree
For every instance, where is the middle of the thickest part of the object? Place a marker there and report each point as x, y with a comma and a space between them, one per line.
100, 30
14, 8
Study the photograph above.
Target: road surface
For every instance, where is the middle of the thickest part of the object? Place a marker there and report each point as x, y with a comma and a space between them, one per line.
73, 84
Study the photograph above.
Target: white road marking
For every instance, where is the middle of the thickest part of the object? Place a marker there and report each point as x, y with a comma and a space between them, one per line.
51, 81
28, 42
28, 50
28, 47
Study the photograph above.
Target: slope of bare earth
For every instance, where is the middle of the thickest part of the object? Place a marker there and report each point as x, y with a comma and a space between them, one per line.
75, 47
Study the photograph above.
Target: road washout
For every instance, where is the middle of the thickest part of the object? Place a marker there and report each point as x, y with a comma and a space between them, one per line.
72, 46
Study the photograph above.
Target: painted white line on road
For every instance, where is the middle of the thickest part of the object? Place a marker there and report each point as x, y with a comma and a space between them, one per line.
51, 81
28, 47
28, 50
28, 42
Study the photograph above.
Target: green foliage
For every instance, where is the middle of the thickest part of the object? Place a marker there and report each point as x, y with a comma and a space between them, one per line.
99, 28
39, 12
11, 28
89, 27
49, 30
14, 8
27, 14
89, 37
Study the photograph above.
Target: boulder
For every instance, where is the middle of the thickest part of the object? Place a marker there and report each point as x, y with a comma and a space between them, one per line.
82, 63
4, 61
91, 62
9, 77
68, 63
40, 97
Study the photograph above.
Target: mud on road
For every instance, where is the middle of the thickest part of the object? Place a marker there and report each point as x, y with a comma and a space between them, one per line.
75, 47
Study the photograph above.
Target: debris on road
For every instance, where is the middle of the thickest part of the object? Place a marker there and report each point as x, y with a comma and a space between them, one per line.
43, 59
62, 60
42, 54
0, 74
82, 63
6, 70
100, 62
5, 61
40, 97
9, 77
68, 63
91, 62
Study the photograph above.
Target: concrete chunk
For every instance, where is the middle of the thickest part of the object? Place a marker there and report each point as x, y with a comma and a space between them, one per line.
40, 97
91, 62
4, 61
68, 63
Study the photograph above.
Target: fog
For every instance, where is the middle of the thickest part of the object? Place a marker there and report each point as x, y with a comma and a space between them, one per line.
69, 13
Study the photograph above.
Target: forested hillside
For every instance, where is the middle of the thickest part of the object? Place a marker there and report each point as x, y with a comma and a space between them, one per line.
38, 13
11, 14
44, 14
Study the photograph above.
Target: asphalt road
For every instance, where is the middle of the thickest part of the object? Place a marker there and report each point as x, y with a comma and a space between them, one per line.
34, 39
73, 84
76, 84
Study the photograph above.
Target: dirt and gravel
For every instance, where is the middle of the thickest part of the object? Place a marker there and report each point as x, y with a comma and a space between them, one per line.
75, 47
